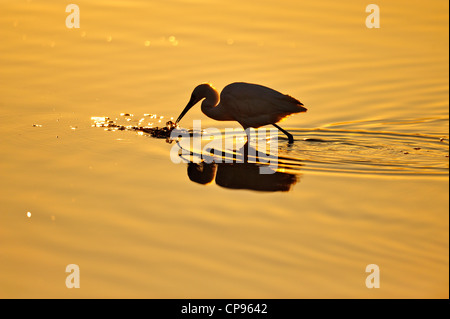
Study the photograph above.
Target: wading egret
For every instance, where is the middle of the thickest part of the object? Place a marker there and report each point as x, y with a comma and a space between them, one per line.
251, 105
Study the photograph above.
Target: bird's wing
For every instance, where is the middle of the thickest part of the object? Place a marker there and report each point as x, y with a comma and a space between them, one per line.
255, 105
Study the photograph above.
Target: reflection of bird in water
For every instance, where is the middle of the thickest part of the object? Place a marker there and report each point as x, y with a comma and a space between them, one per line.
240, 176
251, 105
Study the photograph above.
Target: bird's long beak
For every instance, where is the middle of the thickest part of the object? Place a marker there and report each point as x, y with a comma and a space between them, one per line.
186, 109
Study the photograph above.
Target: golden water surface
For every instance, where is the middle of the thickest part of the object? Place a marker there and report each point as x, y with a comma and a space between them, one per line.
366, 181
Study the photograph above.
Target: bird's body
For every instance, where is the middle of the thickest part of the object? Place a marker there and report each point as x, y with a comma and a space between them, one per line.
251, 105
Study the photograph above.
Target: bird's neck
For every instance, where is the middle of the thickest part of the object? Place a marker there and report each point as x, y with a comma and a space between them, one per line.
211, 106
210, 110
211, 98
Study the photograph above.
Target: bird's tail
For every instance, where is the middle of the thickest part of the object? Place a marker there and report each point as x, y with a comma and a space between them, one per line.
298, 106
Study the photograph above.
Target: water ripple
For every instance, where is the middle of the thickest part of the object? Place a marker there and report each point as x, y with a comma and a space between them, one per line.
367, 152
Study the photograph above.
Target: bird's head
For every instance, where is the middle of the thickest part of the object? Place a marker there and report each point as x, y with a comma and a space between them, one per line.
199, 93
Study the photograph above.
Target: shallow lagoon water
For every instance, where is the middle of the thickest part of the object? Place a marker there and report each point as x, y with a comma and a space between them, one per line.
368, 173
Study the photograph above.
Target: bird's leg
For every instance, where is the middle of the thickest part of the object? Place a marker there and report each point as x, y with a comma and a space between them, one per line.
289, 135
246, 146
